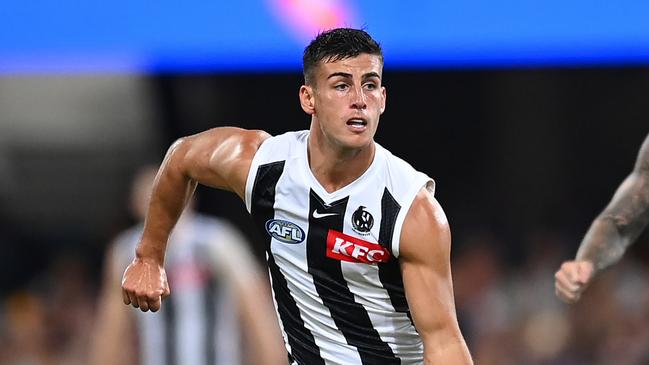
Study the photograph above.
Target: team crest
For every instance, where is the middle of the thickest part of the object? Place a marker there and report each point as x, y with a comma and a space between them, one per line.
362, 221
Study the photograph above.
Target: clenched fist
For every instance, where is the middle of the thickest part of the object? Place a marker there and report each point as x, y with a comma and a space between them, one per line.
572, 279
144, 284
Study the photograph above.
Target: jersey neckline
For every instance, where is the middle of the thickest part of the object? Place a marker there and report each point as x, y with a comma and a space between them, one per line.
345, 190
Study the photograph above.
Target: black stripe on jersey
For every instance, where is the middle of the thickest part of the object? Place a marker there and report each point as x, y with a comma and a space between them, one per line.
170, 331
303, 347
350, 317
263, 196
389, 211
209, 294
390, 272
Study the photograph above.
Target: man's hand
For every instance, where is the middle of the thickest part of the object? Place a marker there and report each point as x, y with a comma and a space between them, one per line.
572, 279
144, 284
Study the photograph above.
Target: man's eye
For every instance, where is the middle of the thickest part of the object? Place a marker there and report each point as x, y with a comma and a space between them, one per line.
370, 86
341, 87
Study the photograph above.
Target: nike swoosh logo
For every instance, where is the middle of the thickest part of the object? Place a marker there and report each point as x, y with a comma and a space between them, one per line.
322, 215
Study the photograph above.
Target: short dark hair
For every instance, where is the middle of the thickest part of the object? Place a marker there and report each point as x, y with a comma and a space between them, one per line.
335, 45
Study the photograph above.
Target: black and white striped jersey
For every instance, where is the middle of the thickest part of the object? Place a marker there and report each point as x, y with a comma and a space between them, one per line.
199, 323
333, 257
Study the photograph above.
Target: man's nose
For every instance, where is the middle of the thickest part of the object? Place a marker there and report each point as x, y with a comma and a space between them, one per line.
358, 98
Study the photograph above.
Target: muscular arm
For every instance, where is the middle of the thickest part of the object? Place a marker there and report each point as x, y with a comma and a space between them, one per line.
611, 232
425, 266
622, 220
219, 158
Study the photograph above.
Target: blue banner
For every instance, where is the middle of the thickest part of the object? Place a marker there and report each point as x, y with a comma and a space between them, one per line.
48, 36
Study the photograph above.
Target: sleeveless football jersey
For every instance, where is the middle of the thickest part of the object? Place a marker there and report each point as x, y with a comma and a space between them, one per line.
333, 257
199, 323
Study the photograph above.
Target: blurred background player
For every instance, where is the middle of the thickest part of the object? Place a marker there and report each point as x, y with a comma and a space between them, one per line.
611, 233
220, 317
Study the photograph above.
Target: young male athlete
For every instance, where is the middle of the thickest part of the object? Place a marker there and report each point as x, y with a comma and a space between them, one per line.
357, 246
611, 233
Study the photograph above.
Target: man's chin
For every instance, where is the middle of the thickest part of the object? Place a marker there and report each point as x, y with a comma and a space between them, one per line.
358, 142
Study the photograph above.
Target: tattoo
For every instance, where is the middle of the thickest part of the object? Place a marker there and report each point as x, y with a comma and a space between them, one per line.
624, 218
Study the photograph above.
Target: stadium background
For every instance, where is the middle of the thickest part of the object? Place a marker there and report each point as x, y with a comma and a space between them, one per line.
528, 115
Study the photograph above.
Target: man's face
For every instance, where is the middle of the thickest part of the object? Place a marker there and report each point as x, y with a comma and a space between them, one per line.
346, 99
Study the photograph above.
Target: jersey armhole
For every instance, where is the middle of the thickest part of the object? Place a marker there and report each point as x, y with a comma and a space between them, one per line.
252, 174
422, 181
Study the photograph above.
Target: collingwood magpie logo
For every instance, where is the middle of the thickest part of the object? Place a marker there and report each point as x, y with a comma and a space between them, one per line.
362, 221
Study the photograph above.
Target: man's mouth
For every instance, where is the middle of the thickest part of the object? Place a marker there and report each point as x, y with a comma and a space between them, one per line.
357, 122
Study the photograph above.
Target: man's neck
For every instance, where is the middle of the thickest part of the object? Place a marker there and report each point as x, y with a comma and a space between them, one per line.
336, 168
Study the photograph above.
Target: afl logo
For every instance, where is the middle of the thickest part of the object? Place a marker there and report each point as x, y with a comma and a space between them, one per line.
284, 231
362, 221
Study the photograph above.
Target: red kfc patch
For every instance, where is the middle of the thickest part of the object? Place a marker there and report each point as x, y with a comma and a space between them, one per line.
347, 248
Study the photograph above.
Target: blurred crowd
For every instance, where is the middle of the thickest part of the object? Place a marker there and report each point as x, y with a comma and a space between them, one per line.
507, 309
49, 321
510, 315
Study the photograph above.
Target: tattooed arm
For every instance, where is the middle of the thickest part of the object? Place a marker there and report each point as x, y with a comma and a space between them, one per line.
611, 232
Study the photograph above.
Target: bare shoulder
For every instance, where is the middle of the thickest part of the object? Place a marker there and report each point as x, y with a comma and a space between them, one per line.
220, 157
250, 137
227, 137
425, 229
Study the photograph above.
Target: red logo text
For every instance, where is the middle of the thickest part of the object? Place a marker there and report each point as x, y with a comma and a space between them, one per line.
347, 248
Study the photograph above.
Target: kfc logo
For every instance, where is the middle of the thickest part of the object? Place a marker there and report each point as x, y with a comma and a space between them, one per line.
347, 248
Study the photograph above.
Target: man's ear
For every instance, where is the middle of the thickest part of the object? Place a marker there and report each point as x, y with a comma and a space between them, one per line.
384, 95
307, 99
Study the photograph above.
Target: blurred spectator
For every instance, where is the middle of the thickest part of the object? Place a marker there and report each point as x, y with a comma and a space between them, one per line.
219, 293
